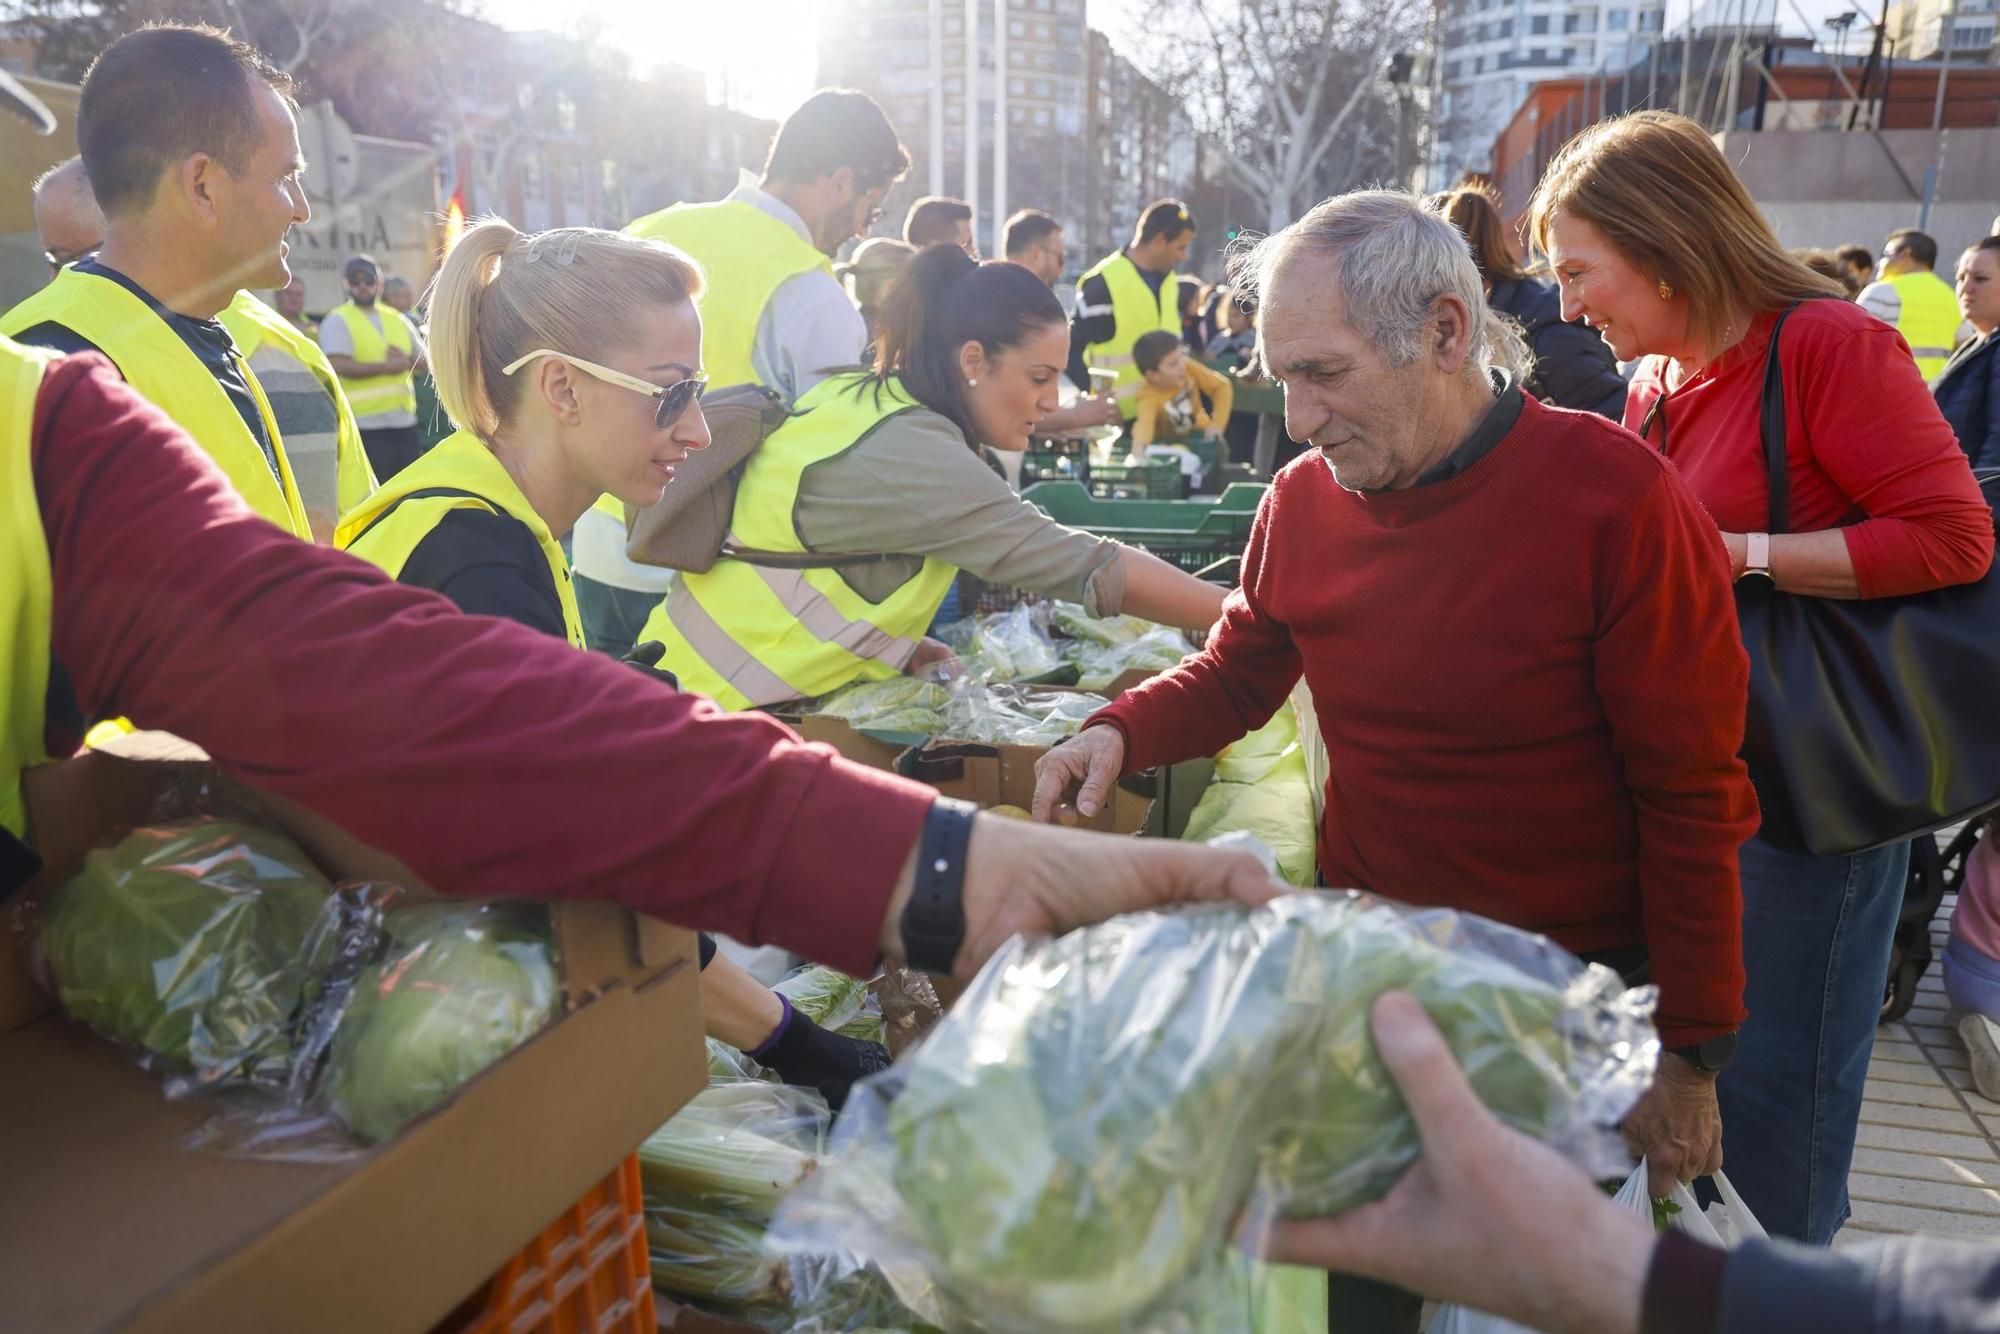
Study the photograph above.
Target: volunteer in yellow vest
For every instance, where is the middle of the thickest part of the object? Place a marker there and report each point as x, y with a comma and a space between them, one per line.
1909, 295
322, 445
322, 441
1129, 294
573, 358
196, 207
772, 313
881, 484
376, 350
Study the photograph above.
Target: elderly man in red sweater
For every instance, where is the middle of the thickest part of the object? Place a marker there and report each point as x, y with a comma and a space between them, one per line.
1517, 627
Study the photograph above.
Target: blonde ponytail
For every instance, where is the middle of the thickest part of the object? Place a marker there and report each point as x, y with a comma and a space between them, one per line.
453, 304
502, 294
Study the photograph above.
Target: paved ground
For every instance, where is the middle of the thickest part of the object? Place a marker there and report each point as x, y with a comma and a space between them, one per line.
1929, 1155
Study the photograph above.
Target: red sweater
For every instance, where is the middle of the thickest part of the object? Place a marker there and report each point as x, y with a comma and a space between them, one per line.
1868, 450
1531, 687
492, 759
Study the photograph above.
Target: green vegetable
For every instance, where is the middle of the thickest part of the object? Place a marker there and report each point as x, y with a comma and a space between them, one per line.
1071, 1145
1104, 631
703, 1154
899, 699
1276, 808
824, 995
714, 1258
190, 940
460, 987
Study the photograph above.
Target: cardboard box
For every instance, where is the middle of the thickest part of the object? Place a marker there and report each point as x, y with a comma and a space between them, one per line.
990, 775
106, 1222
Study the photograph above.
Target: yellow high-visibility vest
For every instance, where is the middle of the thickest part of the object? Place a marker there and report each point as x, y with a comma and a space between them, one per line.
369, 395
252, 324
1137, 310
459, 472
154, 361
25, 587
749, 635
1929, 319
745, 255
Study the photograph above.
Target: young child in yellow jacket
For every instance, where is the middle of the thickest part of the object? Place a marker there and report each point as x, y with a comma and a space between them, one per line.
1170, 402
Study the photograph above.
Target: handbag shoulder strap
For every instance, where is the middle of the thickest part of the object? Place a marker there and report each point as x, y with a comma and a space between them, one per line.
1772, 431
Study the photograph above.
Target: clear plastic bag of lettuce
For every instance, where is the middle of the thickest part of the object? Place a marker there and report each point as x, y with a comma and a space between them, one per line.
456, 987
1012, 645
1071, 1147
1017, 715
899, 704
197, 941
1157, 650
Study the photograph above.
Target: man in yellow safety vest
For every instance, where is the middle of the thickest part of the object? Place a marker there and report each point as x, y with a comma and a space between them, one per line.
321, 441
196, 208
1909, 295
772, 313
1129, 294
376, 350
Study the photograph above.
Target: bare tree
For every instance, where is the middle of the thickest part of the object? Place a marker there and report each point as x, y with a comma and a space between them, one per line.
1292, 92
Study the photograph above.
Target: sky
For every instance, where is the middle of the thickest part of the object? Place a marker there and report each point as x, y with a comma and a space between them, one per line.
761, 55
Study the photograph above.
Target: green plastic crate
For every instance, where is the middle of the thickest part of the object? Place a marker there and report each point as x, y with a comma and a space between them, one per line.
1198, 535
1155, 479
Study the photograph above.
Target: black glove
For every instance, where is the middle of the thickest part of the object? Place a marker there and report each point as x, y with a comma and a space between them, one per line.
800, 1052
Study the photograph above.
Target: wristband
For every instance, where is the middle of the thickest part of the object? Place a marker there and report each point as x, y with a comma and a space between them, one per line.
933, 922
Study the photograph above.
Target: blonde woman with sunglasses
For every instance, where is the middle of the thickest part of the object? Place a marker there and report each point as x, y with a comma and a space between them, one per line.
571, 360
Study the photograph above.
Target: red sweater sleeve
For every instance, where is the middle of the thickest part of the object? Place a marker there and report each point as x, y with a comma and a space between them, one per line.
1669, 666
1232, 687
491, 759
1875, 430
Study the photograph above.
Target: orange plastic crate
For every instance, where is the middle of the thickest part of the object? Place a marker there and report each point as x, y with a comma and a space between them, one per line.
588, 1273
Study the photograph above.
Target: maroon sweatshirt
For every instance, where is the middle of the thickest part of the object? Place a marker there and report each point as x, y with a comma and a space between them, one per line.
491, 759
1531, 687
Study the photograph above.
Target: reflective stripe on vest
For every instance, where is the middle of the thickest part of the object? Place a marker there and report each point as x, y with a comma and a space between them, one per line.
25, 600
752, 635
252, 324
1929, 319
459, 472
155, 362
369, 395
1136, 310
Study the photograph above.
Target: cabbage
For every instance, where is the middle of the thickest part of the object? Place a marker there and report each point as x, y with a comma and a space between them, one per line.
1072, 1145
827, 996
190, 940
460, 986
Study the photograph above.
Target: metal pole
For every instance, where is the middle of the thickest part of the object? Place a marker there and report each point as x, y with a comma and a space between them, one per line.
1947, 38
999, 129
1687, 40
972, 109
937, 96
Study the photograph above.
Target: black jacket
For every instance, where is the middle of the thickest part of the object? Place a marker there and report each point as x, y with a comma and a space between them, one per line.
1573, 367
1968, 394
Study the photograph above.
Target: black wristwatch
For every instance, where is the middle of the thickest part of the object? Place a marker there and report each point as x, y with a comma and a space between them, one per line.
933, 922
1710, 1057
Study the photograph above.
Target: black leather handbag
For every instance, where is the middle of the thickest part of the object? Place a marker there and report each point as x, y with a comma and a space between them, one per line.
1870, 721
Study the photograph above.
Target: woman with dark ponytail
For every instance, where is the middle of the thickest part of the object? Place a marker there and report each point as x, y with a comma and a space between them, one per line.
853, 518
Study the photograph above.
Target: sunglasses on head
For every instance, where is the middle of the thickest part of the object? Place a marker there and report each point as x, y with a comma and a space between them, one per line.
674, 398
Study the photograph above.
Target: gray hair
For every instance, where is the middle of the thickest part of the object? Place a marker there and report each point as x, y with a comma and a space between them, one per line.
1392, 258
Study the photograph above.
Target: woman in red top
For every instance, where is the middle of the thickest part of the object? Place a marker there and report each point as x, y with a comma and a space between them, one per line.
1658, 246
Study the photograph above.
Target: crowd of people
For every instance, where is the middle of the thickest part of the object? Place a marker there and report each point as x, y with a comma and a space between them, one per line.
1502, 564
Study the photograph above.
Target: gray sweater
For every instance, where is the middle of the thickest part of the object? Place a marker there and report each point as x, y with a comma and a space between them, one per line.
1907, 1285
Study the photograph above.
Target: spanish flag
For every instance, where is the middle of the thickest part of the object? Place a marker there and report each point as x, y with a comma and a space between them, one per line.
454, 220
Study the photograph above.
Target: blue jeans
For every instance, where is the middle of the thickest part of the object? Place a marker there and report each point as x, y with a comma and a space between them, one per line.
612, 616
1816, 938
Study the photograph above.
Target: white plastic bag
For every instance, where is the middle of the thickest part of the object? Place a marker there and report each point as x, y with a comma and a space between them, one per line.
1728, 1224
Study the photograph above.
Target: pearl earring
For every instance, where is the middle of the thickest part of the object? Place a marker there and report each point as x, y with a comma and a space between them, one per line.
972, 384
1666, 292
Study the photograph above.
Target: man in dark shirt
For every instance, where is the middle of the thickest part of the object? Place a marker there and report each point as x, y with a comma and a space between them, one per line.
206, 338
1159, 244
